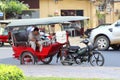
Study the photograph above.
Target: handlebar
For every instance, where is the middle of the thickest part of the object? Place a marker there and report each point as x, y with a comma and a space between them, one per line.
86, 41
91, 47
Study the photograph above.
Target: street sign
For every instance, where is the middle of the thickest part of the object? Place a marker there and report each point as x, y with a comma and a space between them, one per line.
1, 14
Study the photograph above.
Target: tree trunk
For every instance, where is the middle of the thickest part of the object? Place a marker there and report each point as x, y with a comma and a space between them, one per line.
4, 16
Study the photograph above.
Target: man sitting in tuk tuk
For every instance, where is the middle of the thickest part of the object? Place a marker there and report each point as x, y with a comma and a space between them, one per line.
35, 39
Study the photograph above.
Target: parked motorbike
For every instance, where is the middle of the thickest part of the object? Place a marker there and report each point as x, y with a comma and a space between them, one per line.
75, 54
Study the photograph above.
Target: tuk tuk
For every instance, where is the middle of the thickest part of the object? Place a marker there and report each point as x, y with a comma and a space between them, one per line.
4, 34
50, 47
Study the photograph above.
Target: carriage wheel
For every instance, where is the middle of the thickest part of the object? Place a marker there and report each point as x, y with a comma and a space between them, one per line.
47, 60
1, 44
97, 59
27, 58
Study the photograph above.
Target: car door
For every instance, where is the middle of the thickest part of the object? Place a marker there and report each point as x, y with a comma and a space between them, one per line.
116, 32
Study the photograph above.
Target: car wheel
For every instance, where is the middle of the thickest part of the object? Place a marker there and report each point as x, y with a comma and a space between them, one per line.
116, 47
102, 42
27, 59
1, 44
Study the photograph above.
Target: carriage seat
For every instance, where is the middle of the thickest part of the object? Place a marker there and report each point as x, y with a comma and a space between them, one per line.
73, 49
21, 38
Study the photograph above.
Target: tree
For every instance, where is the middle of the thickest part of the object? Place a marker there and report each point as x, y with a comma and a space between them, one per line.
12, 8
101, 17
103, 7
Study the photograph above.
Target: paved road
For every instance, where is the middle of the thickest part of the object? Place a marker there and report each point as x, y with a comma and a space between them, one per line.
111, 68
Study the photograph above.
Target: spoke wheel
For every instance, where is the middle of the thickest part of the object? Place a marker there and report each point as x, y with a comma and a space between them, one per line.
47, 60
97, 59
66, 60
27, 58
78, 60
102, 42
1, 44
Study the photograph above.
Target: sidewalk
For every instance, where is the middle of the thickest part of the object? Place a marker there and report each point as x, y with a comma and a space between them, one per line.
75, 71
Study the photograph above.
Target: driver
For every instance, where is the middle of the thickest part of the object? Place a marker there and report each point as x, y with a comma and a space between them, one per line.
35, 39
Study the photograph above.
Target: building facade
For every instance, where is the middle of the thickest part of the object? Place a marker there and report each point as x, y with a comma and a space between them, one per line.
68, 8
34, 11
99, 12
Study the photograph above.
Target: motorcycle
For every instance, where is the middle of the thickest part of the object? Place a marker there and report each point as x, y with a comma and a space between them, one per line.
75, 54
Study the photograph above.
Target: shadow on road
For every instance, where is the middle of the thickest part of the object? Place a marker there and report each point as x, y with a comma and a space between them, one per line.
5, 46
109, 61
10, 61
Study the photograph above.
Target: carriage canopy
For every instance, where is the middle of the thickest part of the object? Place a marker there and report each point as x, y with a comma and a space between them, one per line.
43, 21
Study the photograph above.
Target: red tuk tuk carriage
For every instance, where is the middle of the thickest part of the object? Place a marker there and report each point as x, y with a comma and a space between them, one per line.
4, 34
21, 47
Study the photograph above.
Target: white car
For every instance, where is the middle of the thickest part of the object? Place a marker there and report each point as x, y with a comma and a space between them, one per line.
106, 36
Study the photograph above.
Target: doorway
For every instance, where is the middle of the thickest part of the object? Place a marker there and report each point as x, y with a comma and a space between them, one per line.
74, 13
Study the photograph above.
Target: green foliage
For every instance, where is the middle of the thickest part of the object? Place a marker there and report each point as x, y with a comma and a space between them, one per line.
56, 78
12, 7
3, 6
8, 72
16, 7
99, 15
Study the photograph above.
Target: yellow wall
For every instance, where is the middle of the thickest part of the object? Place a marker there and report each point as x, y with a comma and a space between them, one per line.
116, 7
112, 17
48, 7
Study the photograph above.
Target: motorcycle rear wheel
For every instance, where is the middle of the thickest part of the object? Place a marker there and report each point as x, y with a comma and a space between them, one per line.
78, 60
97, 59
65, 61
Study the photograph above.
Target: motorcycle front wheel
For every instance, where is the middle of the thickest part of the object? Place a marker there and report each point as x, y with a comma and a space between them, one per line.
97, 59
